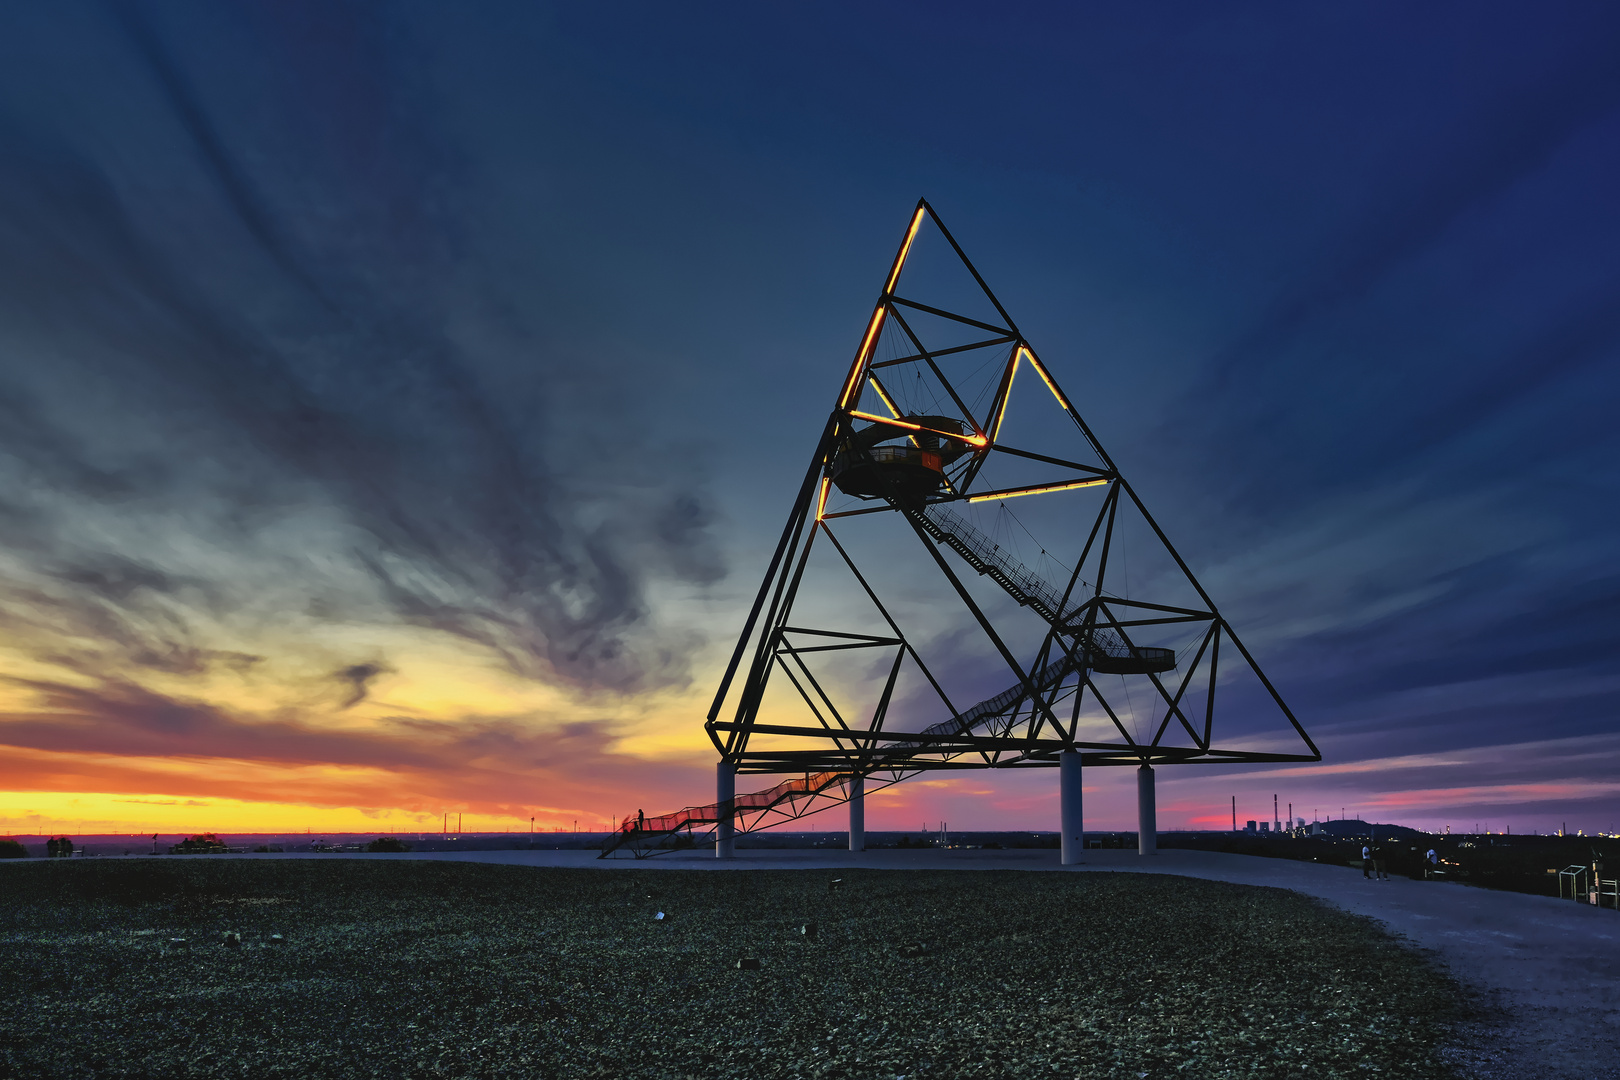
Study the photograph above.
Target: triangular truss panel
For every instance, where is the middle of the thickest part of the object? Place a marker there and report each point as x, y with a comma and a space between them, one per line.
966, 581
950, 452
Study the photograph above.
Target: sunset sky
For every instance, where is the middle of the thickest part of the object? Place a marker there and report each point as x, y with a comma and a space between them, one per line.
399, 402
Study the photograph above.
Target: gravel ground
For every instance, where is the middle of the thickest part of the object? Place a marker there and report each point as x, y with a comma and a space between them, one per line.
424, 969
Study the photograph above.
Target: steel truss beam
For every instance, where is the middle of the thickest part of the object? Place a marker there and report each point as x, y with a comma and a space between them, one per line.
1090, 631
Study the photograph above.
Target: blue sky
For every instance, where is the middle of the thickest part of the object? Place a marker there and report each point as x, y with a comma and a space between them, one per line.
353, 351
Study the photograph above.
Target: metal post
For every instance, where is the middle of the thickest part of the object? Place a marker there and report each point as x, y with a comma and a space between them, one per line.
857, 813
1147, 816
1073, 821
725, 791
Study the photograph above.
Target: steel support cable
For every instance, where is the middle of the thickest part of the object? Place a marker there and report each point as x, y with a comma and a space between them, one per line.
1059, 563
1131, 705
988, 387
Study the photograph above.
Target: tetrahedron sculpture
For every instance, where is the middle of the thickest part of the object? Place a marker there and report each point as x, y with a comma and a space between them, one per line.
966, 581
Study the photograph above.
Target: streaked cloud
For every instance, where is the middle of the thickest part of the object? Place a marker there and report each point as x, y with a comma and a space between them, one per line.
395, 408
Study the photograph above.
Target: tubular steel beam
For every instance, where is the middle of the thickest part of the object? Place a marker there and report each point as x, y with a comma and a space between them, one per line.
1101, 633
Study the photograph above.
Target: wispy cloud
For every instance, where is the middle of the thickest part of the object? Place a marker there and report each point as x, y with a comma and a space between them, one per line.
126, 740
344, 384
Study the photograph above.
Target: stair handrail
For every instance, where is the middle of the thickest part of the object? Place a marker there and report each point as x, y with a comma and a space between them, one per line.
635, 825
968, 719
1026, 582
1025, 585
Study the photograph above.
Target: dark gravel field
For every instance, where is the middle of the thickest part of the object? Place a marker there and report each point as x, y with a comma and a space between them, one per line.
401, 968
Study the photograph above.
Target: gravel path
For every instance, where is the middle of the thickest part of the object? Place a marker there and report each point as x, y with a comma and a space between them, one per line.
1549, 969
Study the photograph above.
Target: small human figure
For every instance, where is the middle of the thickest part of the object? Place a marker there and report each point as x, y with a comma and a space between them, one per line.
1431, 864
1379, 862
641, 820
1366, 861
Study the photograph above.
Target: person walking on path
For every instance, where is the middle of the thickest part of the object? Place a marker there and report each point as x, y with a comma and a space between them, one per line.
1380, 865
1366, 861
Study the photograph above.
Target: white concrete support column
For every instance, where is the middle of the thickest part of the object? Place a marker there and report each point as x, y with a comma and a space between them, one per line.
857, 813
1073, 821
1147, 814
725, 790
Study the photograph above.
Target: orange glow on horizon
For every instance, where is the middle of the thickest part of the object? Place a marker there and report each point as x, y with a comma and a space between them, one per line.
107, 793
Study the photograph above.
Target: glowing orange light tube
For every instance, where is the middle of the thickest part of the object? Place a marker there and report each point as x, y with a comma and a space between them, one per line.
1013, 493
860, 358
888, 403
821, 500
971, 440
887, 400
1047, 379
995, 429
905, 249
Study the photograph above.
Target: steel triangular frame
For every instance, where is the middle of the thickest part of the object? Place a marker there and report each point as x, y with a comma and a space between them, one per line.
1089, 629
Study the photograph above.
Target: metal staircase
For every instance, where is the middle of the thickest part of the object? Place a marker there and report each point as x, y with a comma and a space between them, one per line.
1105, 649
991, 708
987, 558
1099, 649
637, 832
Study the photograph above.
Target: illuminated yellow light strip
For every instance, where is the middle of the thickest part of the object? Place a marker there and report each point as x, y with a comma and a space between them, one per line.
889, 403
1038, 489
821, 500
1047, 379
905, 250
887, 400
860, 357
971, 440
995, 429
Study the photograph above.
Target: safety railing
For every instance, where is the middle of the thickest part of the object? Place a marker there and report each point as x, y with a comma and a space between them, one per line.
639, 826
1572, 883
1029, 589
987, 557
974, 717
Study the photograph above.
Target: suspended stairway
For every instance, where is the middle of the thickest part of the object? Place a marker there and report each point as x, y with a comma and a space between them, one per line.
1099, 649
1105, 650
932, 396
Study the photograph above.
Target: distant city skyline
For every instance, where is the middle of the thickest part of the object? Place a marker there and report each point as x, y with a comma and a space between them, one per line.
398, 403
